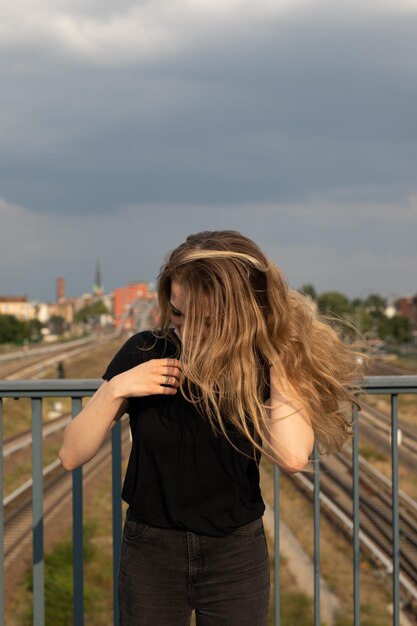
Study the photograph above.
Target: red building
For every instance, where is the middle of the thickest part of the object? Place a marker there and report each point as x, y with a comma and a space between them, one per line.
128, 300
405, 305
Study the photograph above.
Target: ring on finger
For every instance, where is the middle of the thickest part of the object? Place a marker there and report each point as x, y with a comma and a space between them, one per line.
166, 380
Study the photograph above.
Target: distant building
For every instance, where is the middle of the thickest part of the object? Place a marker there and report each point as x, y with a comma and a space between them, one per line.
60, 289
405, 304
413, 315
127, 300
64, 308
17, 306
408, 308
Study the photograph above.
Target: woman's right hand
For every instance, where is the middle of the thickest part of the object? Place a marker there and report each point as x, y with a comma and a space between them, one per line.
84, 435
149, 378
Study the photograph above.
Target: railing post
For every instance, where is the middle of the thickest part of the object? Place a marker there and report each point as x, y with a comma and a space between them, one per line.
37, 514
355, 501
116, 441
77, 533
1, 519
277, 601
395, 512
316, 497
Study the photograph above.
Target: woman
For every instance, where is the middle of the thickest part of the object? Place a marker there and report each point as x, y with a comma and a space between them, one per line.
240, 366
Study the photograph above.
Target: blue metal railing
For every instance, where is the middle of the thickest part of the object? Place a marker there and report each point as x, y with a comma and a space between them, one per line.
392, 385
76, 390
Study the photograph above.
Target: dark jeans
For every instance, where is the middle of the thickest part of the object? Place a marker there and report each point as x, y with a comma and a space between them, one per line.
165, 573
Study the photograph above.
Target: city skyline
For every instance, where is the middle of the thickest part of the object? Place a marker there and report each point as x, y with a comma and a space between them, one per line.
152, 286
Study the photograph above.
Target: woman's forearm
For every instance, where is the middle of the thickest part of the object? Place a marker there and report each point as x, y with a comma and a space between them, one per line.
289, 433
288, 428
86, 432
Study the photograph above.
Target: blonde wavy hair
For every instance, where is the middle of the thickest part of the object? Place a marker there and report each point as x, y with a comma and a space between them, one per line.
256, 321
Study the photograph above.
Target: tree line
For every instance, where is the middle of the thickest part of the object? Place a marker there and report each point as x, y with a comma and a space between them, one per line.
13, 330
367, 315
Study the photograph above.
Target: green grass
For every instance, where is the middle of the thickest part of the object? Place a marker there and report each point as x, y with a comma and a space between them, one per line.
370, 453
409, 362
22, 471
59, 582
296, 609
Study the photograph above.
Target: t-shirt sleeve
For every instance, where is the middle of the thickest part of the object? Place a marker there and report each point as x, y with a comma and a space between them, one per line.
127, 357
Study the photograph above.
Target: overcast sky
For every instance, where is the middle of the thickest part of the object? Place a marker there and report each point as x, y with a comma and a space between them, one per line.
126, 126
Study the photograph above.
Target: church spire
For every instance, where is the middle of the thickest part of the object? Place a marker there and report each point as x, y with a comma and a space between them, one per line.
98, 289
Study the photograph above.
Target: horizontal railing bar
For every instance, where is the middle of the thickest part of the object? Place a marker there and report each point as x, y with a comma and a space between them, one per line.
77, 387
390, 390
393, 383
48, 387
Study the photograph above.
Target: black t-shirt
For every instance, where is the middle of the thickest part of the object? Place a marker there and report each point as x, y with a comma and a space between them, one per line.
180, 473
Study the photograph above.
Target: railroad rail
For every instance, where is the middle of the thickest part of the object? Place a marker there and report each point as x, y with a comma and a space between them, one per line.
383, 368
379, 434
375, 514
381, 420
57, 489
20, 441
33, 365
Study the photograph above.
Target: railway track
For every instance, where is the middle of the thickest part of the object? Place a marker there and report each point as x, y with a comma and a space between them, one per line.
57, 493
383, 368
375, 514
23, 440
376, 427
383, 422
375, 507
37, 364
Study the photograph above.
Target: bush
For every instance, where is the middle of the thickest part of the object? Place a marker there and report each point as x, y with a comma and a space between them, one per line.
296, 608
15, 331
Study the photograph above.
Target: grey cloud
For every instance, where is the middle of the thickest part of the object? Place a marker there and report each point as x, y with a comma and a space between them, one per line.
295, 126
353, 250
302, 108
